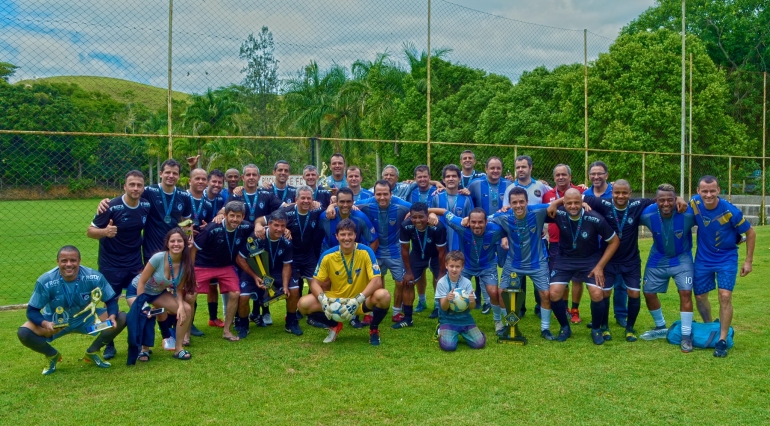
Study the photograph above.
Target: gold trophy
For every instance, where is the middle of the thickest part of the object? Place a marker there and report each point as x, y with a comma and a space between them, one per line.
187, 226
60, 317
257, 260
513, 301
98, 325
322, 178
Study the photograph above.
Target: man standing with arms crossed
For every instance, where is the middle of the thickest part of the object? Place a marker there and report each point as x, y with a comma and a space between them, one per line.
719, 225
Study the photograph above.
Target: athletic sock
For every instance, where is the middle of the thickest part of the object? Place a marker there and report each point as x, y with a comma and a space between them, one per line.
496, 313
37, 343
396, 310
291, 317
265, 310
237, 323
213, 311
634, 305
686, 323
575, 305
606, 311
597, 313
559, 309
165, 327
408, 309
172, 324
657, 316
378, 314
320, 317
421, 299
545, 318
503, 312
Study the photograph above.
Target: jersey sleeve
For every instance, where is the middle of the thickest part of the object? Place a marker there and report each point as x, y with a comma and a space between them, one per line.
186, 207
739, 222
202, 238
372, 268
102, 220
40, 296
370, 233
157, 260
322, 270
404, 236
288, 254
596, 204
605, 230
442, 288
454, 222
440, 236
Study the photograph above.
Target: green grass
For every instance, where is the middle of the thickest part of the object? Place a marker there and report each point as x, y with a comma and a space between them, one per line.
152, 97
275, 378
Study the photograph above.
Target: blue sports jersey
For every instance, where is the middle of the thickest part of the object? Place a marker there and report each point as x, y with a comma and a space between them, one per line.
488, 196
365, 231
322, 196
124, 250
459, 205
363, 194
176, 205
217, 202
336, 183
717, 232
672, 237
418, 196
479, 251
526, 249
465, 181
387, 223
607, 194
259, 203
202, 209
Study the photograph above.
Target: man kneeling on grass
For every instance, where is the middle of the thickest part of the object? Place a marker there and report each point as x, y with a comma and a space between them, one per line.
347, 271
453, 323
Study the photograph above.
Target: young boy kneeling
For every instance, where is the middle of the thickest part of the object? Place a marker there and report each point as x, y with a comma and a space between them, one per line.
456, 323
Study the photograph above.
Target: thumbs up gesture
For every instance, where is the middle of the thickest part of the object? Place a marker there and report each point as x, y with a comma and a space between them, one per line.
111, 230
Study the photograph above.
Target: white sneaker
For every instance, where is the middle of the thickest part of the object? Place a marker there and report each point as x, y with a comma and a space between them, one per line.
499, 326
333, 332
655, 333
169, 344
267, 319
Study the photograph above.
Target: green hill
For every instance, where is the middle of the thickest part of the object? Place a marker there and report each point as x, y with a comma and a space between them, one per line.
152, 97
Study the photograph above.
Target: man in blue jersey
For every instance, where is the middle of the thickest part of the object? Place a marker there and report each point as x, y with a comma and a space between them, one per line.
581, 259
119, 231
527, 257
213, 191
59, 306
168, 207
337, 166
280, 187
479, 245
232, 177
719, 227
428, 248
670, 257
452, 201
602, 188
422, 192
386, 215
354, 183
469, 173
321, 195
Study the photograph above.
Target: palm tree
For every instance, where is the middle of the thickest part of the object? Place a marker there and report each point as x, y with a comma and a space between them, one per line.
155, 147
214, 113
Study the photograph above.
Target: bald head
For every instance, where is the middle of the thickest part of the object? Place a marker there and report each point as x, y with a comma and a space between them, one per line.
621, 182
198, 172
573, 202
572, 193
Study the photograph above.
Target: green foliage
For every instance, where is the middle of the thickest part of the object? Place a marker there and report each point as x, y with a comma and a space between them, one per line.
6, 71
80, 186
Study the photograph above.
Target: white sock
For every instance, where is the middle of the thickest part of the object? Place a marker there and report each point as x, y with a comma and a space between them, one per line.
496, 313
657, 316
545, 318
686, 323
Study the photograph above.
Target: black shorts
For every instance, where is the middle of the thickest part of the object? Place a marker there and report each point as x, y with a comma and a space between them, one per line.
419, 266
553, 252
249, 287
301, 268
564, 276
631, 274
120, 279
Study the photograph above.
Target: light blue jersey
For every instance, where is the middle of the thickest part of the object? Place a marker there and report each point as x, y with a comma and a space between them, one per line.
459, 205
479, 251
387, 223
488, 196
365, 231
526, 250
672, 237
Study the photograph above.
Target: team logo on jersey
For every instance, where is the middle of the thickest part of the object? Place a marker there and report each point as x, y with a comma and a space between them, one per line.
280, 252
358, 271
630, 221
237, 241
144, 219
538, 193
678, 234
392, 222
376, 267
372, 230
179, 207
261, 204
243, 284
706, 220
486, 246
85, 296
312, 224
532, 229
584, 234
450, 216
513, 275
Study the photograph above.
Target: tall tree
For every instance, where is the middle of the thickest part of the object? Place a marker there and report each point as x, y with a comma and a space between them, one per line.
214, 113
261, 77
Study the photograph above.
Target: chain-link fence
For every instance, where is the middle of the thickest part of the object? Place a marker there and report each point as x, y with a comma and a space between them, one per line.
255, 82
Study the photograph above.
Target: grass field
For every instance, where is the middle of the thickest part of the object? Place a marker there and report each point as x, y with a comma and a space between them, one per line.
152, 97
276, 378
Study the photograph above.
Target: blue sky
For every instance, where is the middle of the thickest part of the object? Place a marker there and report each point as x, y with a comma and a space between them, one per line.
129, 39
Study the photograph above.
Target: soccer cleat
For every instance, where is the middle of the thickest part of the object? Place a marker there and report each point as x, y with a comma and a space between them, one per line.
630, 335
109, 351
606, 335
547, 335
596, 336
267, 319
96, 359
254, 318
564, 334
403, 324
356, 323
621, 322
421, 306
686, 344
374, 337
720, 351
294, 329
243, 330
316, 324
656, 333
368, 318
169, 344
333, 333
397, 317
217, 323
299, 315
574, 315
195, 332
434, 314
499, 327
52, 364
485, 308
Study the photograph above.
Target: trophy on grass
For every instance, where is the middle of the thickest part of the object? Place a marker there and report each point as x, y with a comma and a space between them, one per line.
257, 260
513, 300
98, 325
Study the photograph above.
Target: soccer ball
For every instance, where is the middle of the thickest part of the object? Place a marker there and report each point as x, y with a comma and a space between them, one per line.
337, 308
460, 302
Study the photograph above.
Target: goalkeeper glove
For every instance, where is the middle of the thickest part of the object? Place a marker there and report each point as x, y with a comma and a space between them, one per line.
353, 304
324, 301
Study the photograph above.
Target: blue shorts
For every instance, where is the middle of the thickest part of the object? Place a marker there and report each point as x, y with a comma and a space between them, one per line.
301, 269
120, 279
629, 274
80, 329
487, 277
513, 277
706, 279
419, 266
394, 265
656, 279
564, 276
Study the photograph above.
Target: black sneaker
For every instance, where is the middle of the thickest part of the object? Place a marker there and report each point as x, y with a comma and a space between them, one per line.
294, 329
547, 335
564, 334
402, 324
486, 308
720, 351
313, 323
686, 344
195, 332
606, 335
596, 335
109, 351
355, 322
243, 330
434, 314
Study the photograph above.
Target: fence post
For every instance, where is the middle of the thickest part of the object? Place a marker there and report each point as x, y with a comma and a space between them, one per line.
764, 143
170, 27
428, 97
689, 160
730, 179
585, 102
644, 233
